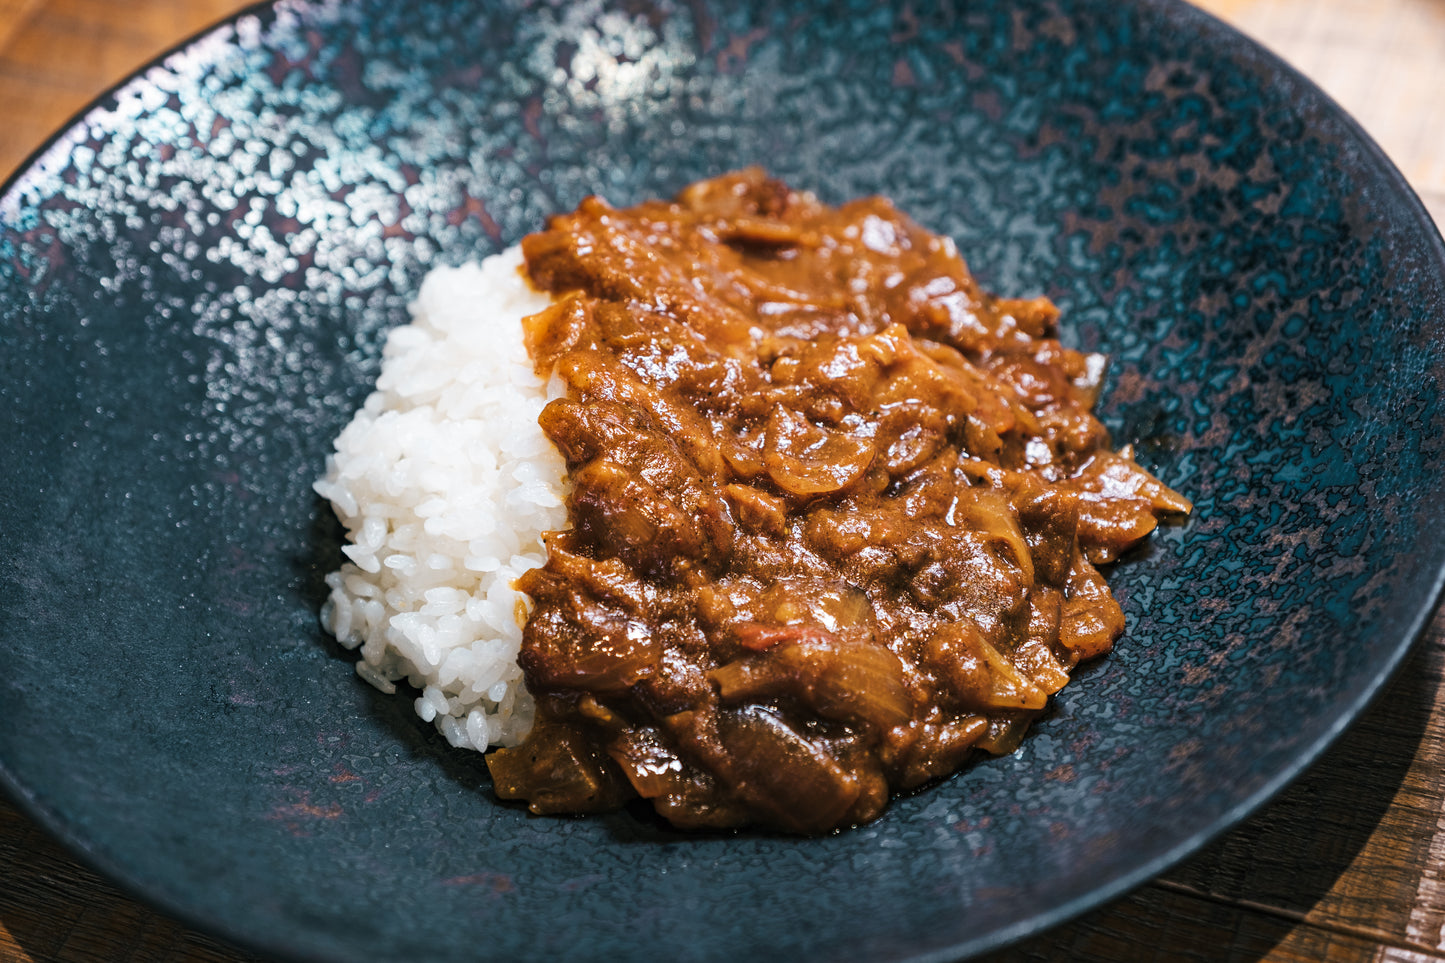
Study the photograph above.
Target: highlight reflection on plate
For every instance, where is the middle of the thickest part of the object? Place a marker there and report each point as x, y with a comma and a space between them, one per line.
195, 280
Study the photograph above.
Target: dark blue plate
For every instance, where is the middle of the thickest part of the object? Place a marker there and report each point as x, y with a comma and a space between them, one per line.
195, 279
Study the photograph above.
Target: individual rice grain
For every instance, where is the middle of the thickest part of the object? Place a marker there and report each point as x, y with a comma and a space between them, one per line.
445, 484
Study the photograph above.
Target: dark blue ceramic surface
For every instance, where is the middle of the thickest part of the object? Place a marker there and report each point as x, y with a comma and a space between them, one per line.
195, 280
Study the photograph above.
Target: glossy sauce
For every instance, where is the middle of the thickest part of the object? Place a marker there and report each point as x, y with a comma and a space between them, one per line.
835, 511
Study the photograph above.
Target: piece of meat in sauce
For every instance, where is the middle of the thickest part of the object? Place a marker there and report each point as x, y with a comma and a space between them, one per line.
835, 511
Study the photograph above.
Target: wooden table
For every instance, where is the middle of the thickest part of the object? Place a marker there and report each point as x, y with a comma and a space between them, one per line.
1344, 866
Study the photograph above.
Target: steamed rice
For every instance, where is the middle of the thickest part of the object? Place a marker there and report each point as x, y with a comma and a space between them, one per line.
445, 484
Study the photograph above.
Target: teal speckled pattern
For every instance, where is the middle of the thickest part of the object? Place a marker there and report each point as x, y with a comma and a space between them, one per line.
195, 281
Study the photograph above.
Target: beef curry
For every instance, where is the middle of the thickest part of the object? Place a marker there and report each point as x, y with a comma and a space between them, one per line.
835, 512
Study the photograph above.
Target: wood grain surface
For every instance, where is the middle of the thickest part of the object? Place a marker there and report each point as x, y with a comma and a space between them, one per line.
1346, 865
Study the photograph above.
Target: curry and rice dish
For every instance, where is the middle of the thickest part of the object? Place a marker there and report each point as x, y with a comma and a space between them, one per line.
825, 521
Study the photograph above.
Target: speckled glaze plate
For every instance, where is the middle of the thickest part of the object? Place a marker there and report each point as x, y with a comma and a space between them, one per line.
195, 280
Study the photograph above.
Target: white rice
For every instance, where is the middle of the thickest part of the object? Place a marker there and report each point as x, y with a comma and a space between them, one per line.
445, 483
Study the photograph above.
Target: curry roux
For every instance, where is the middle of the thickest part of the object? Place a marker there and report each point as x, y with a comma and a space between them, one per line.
835, 511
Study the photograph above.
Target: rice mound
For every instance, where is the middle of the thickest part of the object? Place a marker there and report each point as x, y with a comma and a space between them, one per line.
445, 483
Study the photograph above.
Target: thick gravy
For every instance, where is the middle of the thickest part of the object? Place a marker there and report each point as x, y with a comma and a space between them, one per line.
835, 511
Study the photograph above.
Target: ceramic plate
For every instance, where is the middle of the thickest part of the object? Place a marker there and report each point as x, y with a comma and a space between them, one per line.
195, 281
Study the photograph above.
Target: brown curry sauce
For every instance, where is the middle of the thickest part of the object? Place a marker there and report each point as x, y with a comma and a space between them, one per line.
835, 511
